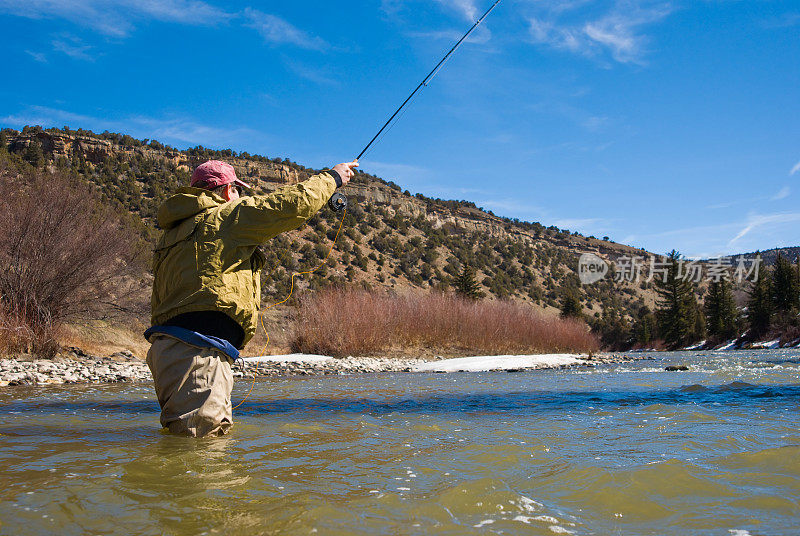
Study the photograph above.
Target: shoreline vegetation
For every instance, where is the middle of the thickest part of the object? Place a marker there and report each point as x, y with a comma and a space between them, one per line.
341, 322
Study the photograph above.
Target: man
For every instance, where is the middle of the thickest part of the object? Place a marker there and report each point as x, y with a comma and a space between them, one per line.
207, 286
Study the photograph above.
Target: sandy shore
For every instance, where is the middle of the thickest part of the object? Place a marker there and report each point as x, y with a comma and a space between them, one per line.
78, 367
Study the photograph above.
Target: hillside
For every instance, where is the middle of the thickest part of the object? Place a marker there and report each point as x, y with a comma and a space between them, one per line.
390, 239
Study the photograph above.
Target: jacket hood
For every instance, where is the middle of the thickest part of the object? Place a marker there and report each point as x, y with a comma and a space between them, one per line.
187, 202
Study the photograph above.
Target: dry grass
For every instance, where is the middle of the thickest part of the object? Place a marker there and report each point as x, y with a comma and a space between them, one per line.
342, 322
19, 335
105, 338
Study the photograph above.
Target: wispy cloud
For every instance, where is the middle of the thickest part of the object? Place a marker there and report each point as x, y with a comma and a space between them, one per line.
587, 120
564, 38
319, 76
466, 8
407, 176
753, 232
480, 36
514, 208
756, 221
117, 18
619, 31
717, 206
407, 11
73, 47
584, 225
390, 170
795, 169
175, 130
41, 57
420, 179
277, 31
784, 20
782, 194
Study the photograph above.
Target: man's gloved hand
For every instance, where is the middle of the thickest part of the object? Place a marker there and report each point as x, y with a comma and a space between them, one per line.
345, 170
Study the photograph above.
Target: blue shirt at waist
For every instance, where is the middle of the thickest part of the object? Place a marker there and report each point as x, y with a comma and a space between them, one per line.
195, 339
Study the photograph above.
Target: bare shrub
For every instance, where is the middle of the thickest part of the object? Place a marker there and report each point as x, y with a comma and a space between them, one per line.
62, 253
343, 322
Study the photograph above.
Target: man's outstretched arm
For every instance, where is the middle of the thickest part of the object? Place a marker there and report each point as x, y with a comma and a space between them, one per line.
256, 219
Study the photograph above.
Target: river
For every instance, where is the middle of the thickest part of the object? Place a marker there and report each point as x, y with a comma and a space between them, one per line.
618, 449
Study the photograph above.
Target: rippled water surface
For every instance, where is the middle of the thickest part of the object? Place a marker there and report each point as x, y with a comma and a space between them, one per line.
621, 449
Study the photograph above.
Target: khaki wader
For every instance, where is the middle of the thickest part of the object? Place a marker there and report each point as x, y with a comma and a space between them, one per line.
207, 259
193, 386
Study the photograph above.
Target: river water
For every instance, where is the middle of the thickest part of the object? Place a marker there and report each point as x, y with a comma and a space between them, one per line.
620, 449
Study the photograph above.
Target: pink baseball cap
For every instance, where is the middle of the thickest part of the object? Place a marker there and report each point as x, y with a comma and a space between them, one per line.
215, 173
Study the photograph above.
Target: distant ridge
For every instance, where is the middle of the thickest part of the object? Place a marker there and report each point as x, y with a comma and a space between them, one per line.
769, 255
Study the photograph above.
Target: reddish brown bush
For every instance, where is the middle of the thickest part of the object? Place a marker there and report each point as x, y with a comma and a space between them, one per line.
343, 322
62, 254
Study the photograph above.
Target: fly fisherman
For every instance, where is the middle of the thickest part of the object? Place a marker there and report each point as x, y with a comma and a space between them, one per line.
207, 286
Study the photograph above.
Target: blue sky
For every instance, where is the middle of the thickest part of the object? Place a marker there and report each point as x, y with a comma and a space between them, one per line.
661, 124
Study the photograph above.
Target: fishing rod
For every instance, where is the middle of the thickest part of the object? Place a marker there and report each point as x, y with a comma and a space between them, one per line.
427, 78
338, 201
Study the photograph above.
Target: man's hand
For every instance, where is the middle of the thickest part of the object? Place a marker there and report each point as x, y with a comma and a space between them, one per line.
345, 170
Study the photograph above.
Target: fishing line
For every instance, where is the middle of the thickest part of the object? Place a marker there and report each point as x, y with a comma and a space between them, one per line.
291, 290
428, 78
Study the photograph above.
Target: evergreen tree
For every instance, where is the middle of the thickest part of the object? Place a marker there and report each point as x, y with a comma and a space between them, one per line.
33, 153
699, 320
720, 310
613, 329
797, 281
571, 305
759, 305
797, 273
785, 293
466, 286
645, 329
679, 317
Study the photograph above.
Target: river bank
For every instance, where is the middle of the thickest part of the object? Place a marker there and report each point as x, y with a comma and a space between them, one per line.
79, 367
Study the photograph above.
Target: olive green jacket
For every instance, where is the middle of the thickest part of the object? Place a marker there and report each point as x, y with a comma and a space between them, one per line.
206, 258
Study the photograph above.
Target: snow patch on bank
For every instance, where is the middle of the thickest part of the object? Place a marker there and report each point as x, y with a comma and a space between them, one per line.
768, 345
484, 363
696, 346
289, 358
480, 363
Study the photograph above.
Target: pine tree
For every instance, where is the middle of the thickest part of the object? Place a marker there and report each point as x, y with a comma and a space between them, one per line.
33, 153
679, 317
613, 328
759, 305
466, 286
797, 279
785, 283
698, 331
645, 328
720, 310
571, 305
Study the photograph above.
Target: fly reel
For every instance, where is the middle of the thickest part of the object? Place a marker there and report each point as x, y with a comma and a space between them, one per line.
337, 202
